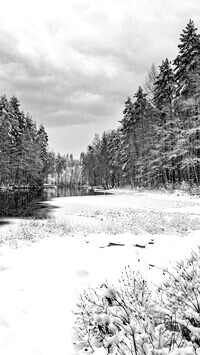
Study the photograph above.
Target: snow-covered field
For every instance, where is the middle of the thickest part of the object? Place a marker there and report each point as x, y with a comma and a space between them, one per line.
39, 283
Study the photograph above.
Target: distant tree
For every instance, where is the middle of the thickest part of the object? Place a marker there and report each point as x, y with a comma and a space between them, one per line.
60, 167
149, 85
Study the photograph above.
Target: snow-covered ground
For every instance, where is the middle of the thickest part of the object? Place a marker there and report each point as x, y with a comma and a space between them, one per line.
39, 283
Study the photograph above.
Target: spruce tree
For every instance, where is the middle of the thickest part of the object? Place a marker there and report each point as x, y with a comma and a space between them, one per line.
104, 161
187, 61
164, 88
129, 143
149, 85
42, 141
115, 151
140, 104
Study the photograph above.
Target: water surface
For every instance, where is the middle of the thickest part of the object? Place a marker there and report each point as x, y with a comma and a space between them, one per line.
25, 203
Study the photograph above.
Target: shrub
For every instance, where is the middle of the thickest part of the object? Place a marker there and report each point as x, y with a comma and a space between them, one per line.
181, 297
130, 319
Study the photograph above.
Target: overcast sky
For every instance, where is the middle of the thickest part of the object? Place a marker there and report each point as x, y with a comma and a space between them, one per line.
72, 63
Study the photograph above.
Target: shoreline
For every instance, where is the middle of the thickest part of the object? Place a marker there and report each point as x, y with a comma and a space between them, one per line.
115, 213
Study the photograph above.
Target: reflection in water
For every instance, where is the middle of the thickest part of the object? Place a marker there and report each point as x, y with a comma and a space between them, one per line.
25, 203
18, 203
50, 193
4, 223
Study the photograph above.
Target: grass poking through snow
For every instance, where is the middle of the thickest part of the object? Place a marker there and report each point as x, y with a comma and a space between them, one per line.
109, 221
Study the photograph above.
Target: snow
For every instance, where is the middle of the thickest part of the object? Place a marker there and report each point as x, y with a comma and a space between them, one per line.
72, 205
39, 283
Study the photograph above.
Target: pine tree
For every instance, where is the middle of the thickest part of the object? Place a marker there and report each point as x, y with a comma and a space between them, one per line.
104, 161
164, 96
143, 112
134, 128
165, 88
187, 74
60, 165
149, 85
115, 155
129, 143
128, 118
187, 61
42, 141
5, 142
140, 104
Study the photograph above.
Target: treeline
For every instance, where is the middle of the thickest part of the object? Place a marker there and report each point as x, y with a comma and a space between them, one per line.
23, 146
64, 170
25, 157
158, 141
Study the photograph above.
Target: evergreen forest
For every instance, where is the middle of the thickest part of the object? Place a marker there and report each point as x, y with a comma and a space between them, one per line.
158, 140
23, 146
25, 157
157, 143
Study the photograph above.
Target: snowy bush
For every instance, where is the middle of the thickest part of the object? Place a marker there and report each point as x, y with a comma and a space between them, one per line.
131, 320
181, 297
